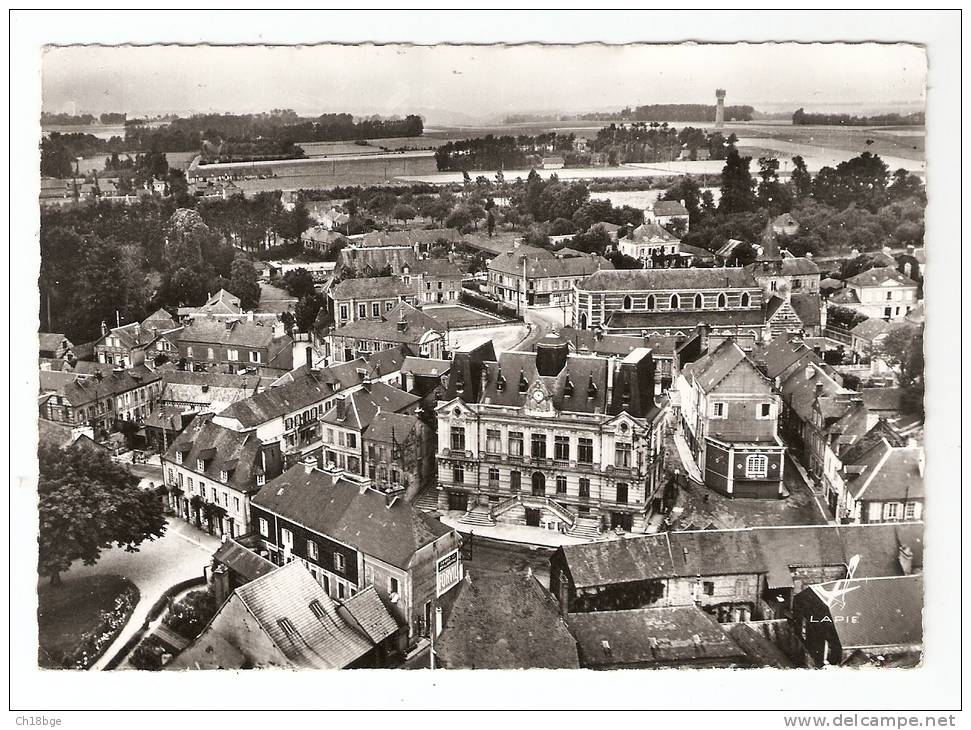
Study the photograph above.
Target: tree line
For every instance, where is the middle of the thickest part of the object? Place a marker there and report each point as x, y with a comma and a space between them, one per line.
857, 204
801, 117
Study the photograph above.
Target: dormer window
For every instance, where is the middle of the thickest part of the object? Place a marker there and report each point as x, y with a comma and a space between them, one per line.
178, 457
224, 476
200, 465
500, 382
260, 480
523, 383
592, 389
568, 388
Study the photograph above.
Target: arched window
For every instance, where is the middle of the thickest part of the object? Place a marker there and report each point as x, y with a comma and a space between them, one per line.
675, 301
628, 303
583, 320
745, 299
756, 466
651, 302
722, 301
699, 301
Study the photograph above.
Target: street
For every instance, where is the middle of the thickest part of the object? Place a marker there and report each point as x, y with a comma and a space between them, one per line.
182, 553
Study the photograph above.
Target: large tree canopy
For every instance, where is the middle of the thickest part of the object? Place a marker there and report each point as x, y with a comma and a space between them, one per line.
87, 504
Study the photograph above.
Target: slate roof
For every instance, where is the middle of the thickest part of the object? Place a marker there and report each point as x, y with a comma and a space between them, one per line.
374, 288
505, 621
360, 407
426, 367
387, 427
342, 510
367, 608
81, 389
361, 258
645, 636
216, 389
800, 393
242, 561
799, 266
222, 302
54, 433
883, 399
325, 642
669, 207
732, 277
408, 238
760, 651
890, 611
772, 551
878, 546
387, 361
437, 269
660, 345
541, 263
387, 329
652, 233
782, 353
237, 332
807, 308
304, 390
709, 370
237, 453
888, 473
876, 277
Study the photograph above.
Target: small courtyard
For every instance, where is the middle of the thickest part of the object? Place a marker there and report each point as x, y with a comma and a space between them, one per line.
699, 508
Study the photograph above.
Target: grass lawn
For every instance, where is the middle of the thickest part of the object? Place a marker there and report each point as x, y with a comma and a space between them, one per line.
66, 615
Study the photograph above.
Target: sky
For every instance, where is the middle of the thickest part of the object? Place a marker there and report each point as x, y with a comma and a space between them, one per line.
448, 83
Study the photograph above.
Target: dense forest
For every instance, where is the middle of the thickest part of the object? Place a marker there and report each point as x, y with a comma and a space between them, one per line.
800, 117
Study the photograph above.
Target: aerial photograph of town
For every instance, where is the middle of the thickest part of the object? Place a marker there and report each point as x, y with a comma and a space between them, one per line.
459, 357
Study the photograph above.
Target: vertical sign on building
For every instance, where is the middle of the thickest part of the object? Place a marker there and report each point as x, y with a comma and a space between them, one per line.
448, 572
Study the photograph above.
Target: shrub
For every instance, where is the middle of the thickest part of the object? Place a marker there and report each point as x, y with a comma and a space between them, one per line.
190, 615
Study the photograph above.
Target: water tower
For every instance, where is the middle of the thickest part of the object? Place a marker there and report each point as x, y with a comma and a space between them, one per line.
719, 108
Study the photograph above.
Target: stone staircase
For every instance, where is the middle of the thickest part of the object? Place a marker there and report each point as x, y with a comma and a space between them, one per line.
427, 500
587, 528
479, 517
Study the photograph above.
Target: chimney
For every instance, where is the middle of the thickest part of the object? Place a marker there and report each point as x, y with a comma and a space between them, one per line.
249, 316
309, 351
138, 330
819, 389
809, 371
104, 328
910, 249
309, 464
854, 252
905, 556
341, 409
